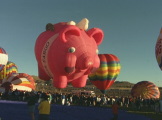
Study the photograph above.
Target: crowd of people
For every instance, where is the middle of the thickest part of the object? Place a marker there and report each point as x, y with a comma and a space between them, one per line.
81, 100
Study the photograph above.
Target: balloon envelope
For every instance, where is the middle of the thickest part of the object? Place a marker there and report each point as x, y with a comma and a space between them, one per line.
9, 68
76, 50
107, 73
19, 81
3, 58
158, 50
146, 90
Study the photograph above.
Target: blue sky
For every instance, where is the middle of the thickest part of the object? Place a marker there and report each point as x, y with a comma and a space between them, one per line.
131, 29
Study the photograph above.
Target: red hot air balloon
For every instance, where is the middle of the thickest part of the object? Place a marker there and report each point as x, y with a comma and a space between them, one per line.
107, 73
145, 90
3, 58
158, 50
67, 53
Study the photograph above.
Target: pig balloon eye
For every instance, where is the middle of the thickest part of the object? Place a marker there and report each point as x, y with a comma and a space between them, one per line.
97, 51
72, 49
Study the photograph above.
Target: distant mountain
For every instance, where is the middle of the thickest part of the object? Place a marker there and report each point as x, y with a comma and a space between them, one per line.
122, 84
117, 84
119, 88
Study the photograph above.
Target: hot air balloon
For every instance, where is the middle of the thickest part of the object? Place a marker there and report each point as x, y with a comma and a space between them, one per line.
107, 73
158, 50
3, 58
145, 90
9, 68
19, 81
67, 52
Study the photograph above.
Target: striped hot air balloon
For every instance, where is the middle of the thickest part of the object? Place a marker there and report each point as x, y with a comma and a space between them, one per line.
158, 50
9, 68
19, 81
145, 90
107, 73
3, 58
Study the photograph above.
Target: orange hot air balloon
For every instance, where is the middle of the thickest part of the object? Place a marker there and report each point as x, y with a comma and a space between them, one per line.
146, 90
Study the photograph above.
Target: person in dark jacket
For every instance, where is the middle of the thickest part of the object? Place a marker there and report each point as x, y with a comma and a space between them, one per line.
115, 108
31, 101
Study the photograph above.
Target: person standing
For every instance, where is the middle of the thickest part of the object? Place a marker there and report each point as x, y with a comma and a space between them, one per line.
44, 108
50, 97
115, 108
160, 102
63, 99
31, 101
157, 106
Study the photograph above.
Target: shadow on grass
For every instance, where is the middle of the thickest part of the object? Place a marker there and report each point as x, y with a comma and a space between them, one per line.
144, 111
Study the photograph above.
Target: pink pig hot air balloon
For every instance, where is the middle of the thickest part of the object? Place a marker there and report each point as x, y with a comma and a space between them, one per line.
67, 53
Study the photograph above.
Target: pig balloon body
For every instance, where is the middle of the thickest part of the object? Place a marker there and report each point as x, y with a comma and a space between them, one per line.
67, 52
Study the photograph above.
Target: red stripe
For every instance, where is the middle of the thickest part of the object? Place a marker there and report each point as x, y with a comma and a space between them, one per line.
103, 85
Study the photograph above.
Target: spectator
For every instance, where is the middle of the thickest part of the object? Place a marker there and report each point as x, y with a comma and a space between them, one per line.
157, 106
44, 108
126, 101
31, 101
115, 108
50, 97
160, 102
63, 98
103, 100
98, 100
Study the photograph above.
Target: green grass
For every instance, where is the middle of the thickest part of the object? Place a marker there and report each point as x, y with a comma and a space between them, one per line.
151, 115
144, 111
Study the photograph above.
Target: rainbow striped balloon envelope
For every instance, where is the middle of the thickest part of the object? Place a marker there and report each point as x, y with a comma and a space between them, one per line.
3, 58
145, 90
19, 81
107, 73
9, 68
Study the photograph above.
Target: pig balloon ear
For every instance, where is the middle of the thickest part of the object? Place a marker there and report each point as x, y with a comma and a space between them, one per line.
70, 30
97, 34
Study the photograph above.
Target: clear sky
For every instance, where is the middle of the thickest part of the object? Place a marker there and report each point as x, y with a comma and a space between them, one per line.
131, 29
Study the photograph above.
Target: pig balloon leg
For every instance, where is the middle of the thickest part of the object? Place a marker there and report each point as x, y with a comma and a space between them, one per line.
60, 81
80, 82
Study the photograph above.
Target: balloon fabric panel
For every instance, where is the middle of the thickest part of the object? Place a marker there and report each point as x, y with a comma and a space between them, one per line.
108, 70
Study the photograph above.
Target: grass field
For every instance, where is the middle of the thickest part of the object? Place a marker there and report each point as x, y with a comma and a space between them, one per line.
151, 115
146, 112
